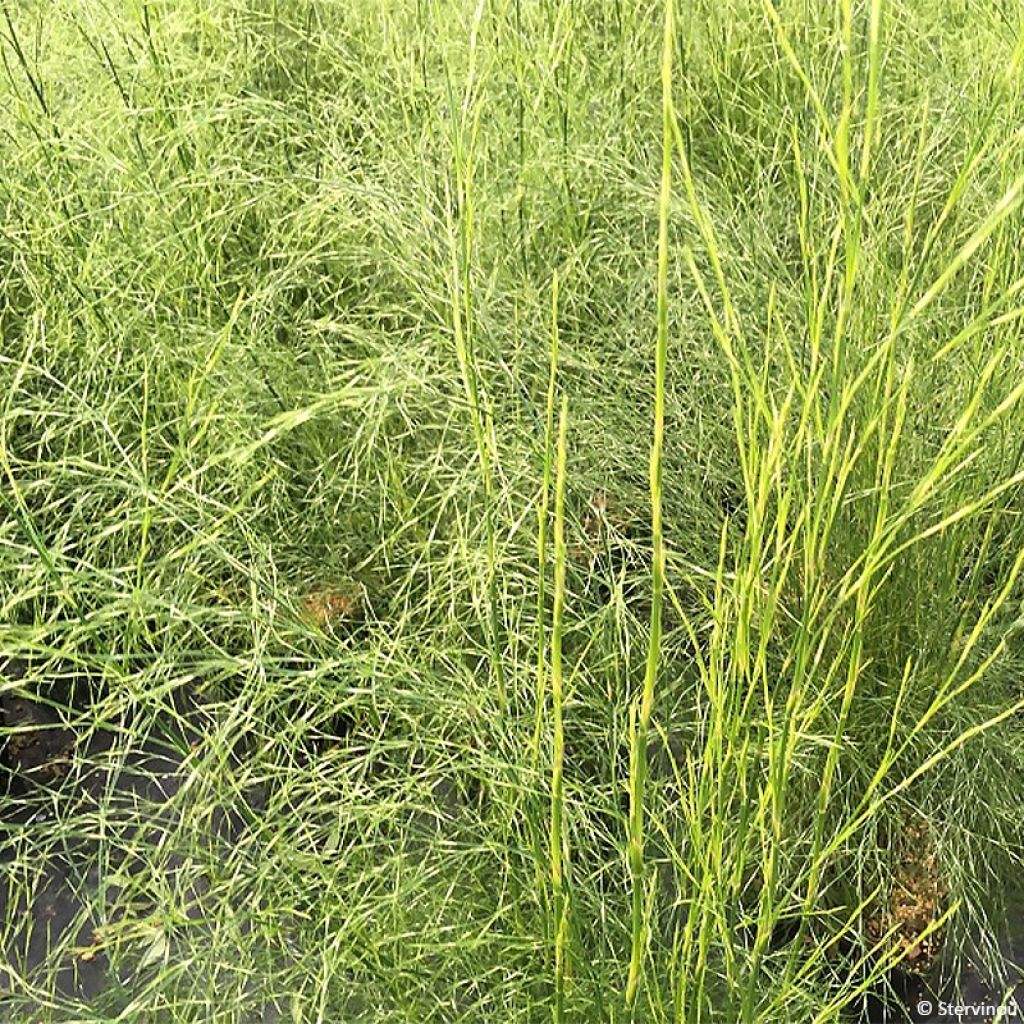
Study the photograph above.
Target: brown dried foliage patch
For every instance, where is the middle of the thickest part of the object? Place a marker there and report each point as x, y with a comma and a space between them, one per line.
916, 899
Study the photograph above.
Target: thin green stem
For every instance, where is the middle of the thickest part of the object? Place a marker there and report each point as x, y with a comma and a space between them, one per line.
558, 837
638, 759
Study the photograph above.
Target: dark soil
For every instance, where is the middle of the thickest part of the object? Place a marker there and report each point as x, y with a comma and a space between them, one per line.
54, 909
933, 998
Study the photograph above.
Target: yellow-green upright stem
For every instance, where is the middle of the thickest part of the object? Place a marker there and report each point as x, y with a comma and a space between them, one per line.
638, 759
542, 521
460, 295
561, 903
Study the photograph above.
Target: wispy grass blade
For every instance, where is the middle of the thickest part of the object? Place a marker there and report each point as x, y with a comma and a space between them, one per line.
558, 837
638, 758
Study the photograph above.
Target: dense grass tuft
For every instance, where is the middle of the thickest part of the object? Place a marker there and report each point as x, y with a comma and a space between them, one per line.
567, 453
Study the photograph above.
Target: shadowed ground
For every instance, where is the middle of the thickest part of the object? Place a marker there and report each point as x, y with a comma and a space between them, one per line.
78, 928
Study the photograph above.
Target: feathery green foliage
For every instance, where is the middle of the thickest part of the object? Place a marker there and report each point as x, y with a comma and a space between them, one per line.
289, 297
